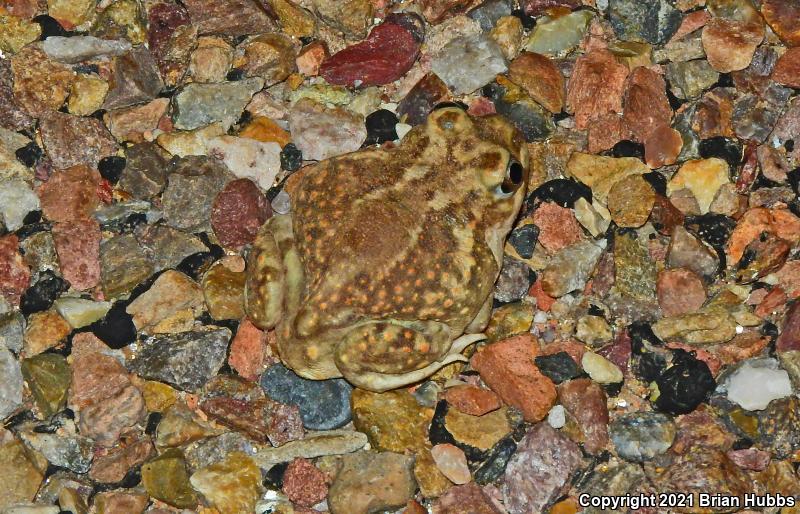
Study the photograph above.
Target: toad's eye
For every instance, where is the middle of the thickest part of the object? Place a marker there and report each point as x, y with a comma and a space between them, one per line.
515, 174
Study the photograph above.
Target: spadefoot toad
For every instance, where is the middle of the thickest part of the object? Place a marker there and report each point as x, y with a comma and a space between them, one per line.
383, 272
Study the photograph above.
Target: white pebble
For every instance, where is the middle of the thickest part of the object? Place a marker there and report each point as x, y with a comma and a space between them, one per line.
557, 417
758, 382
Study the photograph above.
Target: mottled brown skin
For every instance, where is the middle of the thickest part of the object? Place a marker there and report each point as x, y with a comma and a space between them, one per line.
389, 255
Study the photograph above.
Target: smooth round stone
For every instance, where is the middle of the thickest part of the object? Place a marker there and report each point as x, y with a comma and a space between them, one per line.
324, 404
640, 436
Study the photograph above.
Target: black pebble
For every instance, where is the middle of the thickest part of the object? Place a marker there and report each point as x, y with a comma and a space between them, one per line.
789, 145
725, 80
380, 127
32, 218
714, 229
523, 239
729, 150
627, 148
86, 68
742, 444
685, 385
98, 114
111, 168
495, 464
235, 74
612, 390
50, 27
29, 154
562, 191
132, 478
41, 295
794, 180
647, 361
291, 157
196, 264
594, 310
528, 21
657, 181
274, 477
116, 329
558, 367
438, 434
769, 329
306, 40
152, 423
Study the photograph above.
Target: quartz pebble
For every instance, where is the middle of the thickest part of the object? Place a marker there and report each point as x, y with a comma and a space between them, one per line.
756, 383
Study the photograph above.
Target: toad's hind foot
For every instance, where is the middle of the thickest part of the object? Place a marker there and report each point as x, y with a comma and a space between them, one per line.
360, 368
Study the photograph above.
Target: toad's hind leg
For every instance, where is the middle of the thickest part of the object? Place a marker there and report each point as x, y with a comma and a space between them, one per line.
271, 268
388, 354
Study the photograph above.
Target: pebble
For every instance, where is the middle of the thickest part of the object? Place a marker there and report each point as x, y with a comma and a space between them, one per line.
393, 421
557, 417
44, 330
508, 369
47, 375
249, 354
80, 312
476, 435
782, 17
66, 451
730, 43
186, 360
11, 387
15, 273
111, 467
320, 133
198, 105
165, 478
370, 482
304, 484
472, 400
248, 158
514, 280
383, 57
689, 79
324, 404
78, 247
595, 87
39, 84
600, 173
686, 251
756, 383
223, 289
642, 436
585, 401
684, 386
72, 50
105, 399
17, 200
464, 498
452, 462
558, 35
651, 21
539, 471
557, 225
600, 369
171, 294
268, 56
70, 194
468, 63
593, 330
75, 140
630, 201
123, 265
24, 472
570, 268
540, 77
192, 185
262, 420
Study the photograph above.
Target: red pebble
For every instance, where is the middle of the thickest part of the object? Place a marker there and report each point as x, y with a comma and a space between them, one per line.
14, 273
304, 484
238, 212
508, 368
472, 400
386, 55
